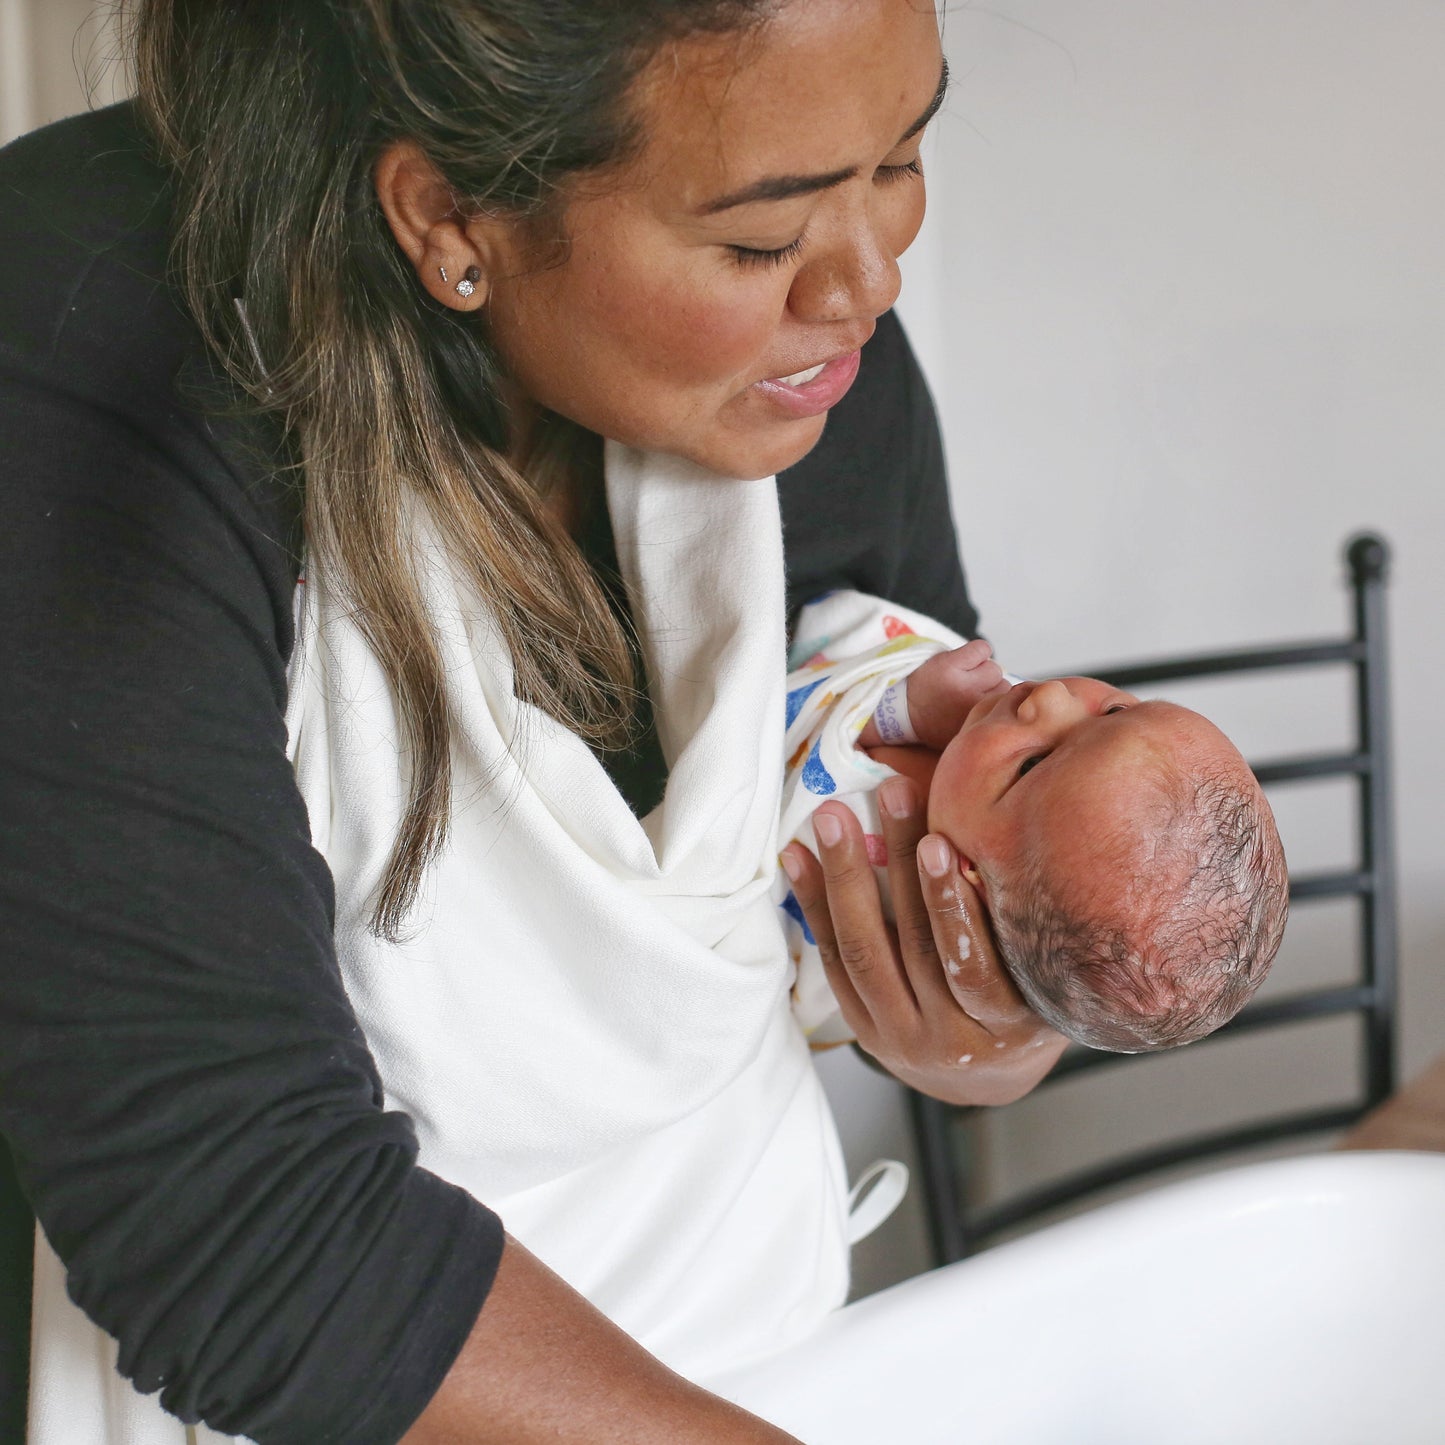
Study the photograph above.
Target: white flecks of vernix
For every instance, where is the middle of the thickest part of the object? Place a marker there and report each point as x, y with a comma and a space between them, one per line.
965, 1058
1000, 1043
953, 967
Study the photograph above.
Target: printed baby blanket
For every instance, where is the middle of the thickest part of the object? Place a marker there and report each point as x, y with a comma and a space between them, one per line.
849, 649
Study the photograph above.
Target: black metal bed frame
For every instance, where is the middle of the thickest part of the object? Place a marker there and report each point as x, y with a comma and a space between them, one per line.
957, 1229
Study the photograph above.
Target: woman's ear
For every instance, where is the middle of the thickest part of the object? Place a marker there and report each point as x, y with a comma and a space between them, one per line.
430, 227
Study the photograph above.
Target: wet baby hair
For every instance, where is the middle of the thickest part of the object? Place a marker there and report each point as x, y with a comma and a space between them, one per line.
1166, 956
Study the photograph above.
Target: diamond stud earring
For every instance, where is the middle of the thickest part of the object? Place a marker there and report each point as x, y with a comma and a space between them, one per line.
468, 283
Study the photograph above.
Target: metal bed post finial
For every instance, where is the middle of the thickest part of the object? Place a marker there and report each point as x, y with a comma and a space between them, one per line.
1368, 557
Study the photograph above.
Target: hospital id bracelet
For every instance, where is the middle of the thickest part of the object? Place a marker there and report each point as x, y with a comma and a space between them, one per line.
891, 715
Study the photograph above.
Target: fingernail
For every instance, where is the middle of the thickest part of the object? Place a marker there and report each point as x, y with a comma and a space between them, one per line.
933, 854
828, 829
791, 866
896, 798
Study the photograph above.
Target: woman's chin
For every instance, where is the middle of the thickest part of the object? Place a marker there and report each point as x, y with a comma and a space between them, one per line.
756, 453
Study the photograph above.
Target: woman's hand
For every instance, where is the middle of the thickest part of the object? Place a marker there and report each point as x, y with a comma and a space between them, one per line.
928, 997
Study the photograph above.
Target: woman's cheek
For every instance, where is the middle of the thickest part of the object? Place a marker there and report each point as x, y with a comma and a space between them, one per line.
906, 219
716, 333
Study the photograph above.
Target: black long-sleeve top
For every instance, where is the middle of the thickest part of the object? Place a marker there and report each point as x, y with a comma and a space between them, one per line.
191, 1107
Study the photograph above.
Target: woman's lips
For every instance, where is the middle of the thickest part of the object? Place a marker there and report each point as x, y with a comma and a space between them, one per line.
821, 388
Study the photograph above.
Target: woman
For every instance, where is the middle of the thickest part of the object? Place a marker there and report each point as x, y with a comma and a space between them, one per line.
487, 303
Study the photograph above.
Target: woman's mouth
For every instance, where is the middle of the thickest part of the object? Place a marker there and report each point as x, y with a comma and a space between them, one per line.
813, 390
802, 378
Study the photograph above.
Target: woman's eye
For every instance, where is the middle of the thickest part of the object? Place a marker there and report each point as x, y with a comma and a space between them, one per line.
903, 172
751, 256
1029, 764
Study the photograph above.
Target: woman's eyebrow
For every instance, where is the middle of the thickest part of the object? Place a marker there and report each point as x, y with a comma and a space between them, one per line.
934, 106
777, 188
780, 188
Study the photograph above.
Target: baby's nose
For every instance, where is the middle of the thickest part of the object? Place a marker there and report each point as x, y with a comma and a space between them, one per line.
1048, 700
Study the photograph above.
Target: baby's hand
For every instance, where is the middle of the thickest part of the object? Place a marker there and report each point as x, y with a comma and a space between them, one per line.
943, 692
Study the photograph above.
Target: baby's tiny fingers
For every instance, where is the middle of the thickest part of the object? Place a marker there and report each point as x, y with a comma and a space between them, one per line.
973, 654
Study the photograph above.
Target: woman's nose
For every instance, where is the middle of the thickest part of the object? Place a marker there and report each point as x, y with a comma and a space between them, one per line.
858, 279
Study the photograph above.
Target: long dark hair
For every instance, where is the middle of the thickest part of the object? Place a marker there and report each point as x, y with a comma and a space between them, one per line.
271, 117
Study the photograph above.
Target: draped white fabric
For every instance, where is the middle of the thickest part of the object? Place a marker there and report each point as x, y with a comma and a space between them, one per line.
588, 1016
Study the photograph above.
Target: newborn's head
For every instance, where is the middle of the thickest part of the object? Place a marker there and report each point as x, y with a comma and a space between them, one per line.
1127, 856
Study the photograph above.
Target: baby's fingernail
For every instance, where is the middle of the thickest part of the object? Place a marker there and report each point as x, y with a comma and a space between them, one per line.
896, 798
933, 854
791, 866
828, 829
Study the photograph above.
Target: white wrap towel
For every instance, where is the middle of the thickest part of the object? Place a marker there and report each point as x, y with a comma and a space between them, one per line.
588, 1019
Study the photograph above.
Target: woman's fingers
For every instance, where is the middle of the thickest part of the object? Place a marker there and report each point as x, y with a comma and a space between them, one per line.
810, 888
1021, 1048
975, 976
929, 999
903, 823
845, 914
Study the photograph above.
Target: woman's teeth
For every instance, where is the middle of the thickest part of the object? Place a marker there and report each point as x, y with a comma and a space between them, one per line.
802, 378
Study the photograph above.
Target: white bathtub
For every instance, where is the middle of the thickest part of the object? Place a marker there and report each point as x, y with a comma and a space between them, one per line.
1299, 1302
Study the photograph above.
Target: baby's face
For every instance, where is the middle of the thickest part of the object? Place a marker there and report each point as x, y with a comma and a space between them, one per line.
1065, 772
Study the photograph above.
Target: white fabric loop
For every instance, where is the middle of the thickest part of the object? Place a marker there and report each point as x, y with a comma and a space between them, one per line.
878, 1192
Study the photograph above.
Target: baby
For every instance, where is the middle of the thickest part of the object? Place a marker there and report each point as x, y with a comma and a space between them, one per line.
1125, 853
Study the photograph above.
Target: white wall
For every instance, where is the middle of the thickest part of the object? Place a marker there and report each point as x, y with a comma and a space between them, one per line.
53, 53
1182, 301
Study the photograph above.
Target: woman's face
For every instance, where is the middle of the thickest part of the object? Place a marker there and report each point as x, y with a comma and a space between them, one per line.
755, 237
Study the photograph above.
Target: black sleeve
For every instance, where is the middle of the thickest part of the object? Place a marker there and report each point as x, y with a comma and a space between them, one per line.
192, 1109
17, 1230
868, 507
